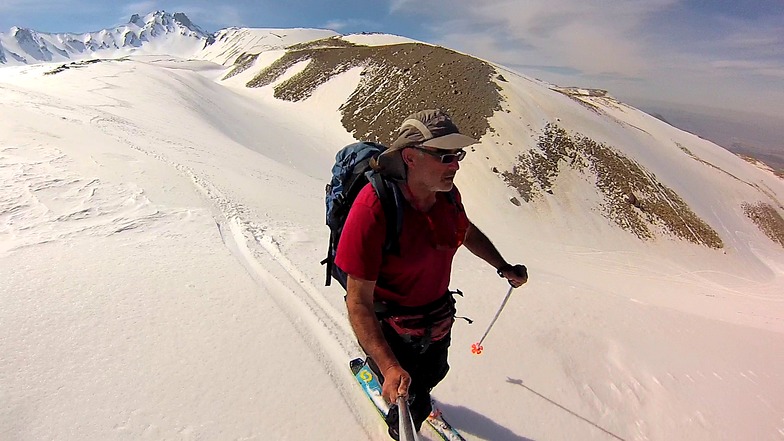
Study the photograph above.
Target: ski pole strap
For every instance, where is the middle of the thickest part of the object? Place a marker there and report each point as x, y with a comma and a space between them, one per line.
506, 299
406, 429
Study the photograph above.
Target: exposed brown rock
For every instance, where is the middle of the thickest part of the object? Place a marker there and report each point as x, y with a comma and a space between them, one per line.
397, 80
618, 178
242, 63
767, 219
79, 64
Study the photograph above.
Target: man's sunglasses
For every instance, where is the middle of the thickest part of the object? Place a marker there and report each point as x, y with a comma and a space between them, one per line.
446, 158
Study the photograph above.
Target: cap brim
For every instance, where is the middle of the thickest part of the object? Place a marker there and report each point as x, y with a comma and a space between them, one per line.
451, 141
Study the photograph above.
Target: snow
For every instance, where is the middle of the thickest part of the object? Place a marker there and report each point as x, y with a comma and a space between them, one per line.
377, 39
160, 239
233, 42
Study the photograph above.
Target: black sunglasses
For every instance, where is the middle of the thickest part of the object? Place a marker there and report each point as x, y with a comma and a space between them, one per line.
446, 158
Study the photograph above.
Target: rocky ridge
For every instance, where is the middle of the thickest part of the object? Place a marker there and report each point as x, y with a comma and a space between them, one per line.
400, 77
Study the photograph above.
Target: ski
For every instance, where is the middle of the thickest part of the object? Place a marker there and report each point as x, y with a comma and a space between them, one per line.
370, 384
372, 387
440, 425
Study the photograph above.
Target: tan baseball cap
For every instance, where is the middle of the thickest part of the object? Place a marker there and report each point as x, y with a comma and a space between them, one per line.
429, 128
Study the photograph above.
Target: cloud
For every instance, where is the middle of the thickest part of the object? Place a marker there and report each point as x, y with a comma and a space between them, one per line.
754, 39
592, 36
747, 67
351, 25
671, 49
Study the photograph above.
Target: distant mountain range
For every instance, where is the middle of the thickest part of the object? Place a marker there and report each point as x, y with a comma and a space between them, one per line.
26, 46
758, 136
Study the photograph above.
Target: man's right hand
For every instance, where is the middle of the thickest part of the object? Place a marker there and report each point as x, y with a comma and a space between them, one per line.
396, 383
361, 315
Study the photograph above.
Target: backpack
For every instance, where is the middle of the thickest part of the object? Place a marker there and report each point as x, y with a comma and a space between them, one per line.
351, 172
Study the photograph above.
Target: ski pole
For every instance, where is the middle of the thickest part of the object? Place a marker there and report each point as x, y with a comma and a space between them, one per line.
477, 348
406, 427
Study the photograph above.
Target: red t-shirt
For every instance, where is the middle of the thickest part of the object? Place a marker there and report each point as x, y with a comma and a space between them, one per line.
428, 242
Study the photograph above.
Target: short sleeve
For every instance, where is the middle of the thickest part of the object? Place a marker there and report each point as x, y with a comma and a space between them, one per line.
359, 251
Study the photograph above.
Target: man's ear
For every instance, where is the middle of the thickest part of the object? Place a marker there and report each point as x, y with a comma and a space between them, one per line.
408, 156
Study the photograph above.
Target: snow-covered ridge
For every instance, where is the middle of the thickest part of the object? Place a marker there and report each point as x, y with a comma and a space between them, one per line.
158, 32
141, 34
231, 43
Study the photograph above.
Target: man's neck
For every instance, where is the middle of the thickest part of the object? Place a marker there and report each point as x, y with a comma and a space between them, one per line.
419, 196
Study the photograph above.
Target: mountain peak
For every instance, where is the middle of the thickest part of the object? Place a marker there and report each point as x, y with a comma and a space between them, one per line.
170, 22
23, 46
183, 19
16, 30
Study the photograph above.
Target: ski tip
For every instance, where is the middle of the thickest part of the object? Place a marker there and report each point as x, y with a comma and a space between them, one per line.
356, 364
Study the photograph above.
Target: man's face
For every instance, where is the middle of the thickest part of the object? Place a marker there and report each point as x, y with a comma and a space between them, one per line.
436, 168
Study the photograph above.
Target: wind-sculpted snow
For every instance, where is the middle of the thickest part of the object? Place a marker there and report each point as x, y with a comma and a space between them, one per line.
395, 79
232, 44
633, 197
42, 202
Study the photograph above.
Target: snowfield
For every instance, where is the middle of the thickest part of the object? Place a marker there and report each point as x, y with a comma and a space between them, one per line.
160, 237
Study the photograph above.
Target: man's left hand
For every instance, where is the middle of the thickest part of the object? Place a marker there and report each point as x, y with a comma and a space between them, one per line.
517, 275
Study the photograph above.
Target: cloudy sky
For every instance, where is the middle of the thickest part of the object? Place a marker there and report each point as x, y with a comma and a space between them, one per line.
724, 54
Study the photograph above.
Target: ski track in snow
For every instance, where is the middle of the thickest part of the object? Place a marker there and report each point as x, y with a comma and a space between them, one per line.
324, 329
54, 204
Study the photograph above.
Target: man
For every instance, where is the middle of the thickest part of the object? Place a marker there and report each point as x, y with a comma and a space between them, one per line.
399, 305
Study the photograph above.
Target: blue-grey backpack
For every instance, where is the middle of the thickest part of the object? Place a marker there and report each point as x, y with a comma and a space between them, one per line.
351, 172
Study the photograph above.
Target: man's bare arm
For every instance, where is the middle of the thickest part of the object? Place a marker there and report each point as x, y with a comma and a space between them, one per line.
362, 316
482, 247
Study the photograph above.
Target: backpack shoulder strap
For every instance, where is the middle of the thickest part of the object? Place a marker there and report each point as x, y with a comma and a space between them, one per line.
392, 203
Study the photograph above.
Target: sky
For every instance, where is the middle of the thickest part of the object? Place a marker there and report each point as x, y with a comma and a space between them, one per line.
159, 266
716, 54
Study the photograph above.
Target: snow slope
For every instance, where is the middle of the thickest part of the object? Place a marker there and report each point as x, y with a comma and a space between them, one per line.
233, 42
160, 233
